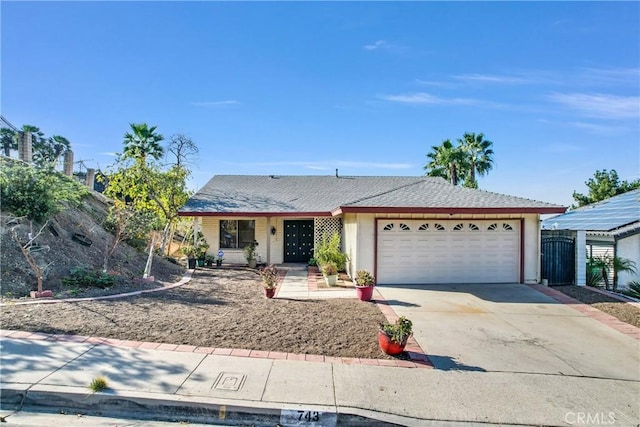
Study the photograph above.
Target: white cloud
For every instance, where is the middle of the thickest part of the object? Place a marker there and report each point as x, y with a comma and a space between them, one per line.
596, 128
215, 103
488, 78
423, 98
600, 105
374, 46
109, 153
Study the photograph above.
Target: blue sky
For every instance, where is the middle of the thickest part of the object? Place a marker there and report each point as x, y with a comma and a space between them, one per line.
366, 87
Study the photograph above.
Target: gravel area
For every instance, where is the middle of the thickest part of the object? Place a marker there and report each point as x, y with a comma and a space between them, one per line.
616, 308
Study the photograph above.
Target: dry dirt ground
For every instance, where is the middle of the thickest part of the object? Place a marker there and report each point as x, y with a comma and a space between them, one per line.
218, 308
616, 308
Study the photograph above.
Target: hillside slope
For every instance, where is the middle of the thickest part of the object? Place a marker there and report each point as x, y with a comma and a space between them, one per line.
62, 252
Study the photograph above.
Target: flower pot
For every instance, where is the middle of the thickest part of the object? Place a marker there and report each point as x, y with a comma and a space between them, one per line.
218, 262
390, 347
200, 262
364, 292
252, 263
331, 280
191, 263
269, 292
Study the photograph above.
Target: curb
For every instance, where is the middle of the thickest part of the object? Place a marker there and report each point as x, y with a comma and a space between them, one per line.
191, 409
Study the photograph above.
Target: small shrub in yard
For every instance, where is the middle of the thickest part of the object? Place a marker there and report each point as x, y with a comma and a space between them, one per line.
98, 384
634, 289
83, 277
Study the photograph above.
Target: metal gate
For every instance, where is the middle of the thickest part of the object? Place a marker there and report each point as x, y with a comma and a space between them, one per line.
558, 259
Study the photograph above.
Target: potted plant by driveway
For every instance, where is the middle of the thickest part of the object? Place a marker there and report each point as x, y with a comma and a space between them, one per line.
250, 254
365, 282
330, 273
219, 258
269, 276
208, 260
392, 338
201, 253
190, 252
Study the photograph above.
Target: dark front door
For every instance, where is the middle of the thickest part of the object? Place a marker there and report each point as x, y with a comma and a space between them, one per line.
298, 240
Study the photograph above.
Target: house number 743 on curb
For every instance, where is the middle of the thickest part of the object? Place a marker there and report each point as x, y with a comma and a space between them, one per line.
307, 418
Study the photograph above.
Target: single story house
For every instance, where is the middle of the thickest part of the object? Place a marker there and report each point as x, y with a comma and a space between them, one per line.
611, 227
404, 229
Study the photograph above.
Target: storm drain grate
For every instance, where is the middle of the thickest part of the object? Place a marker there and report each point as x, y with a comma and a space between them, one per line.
229, 381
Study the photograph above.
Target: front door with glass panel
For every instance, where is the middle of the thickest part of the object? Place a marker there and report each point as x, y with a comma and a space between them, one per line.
298, 240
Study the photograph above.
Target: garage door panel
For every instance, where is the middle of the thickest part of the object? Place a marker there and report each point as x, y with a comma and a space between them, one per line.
475, 251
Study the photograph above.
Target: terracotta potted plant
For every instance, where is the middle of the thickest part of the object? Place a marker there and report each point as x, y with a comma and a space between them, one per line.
330, 273
392, 338
365, 282
269, 276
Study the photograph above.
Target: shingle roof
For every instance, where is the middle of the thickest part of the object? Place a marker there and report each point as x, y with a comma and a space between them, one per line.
236, 194
607, 215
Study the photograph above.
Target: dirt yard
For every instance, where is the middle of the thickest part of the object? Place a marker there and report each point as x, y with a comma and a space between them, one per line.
218, 308
616, 308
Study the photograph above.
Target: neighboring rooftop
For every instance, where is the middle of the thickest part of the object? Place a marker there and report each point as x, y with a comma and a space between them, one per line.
325, 195
608, 215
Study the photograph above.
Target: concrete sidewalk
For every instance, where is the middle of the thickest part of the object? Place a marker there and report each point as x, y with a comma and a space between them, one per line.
201, 387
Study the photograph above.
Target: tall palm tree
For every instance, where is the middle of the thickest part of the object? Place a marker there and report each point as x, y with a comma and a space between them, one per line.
8, 140
479, 155
142, 142
446, 161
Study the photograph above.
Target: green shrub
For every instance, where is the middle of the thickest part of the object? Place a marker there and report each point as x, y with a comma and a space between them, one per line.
98, 384
35, 193
328, 251
634, 289
83, 277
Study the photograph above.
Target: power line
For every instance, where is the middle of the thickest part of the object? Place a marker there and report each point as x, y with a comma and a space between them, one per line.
8, 124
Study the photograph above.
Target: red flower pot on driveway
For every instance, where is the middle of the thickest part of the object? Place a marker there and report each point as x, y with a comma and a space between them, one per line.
269, 293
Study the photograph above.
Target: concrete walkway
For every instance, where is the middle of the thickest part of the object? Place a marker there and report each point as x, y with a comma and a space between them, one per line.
200, 385
296, 285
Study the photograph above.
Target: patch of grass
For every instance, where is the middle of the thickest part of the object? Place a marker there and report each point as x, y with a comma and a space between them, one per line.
98, 384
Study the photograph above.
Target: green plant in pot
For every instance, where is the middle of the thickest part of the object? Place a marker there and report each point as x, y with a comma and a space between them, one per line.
365, 282
190, 253
392, 337
269, 276
250, 254
208, 260
330, 273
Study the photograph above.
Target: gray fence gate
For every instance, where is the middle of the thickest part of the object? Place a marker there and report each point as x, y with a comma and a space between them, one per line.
558, 259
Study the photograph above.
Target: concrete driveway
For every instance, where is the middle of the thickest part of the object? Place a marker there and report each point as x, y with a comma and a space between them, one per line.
511, 328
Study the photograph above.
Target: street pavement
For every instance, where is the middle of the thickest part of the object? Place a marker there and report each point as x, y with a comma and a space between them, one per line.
501, 357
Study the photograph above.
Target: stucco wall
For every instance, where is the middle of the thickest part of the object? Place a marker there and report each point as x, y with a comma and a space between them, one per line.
629, 248
210, 228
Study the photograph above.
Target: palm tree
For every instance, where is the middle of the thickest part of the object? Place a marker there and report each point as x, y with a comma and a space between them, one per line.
446, 161
8, 140
479, 156
141, 142
606, 263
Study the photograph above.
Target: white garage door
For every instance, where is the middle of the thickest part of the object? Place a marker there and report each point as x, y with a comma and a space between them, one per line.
448, 251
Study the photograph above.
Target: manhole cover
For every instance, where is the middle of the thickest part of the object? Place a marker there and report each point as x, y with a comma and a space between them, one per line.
229, 381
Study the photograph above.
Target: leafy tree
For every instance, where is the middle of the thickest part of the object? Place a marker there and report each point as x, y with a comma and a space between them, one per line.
142, 142
35, 193
182, 148
447, 161
607, 263
9, 140
479, 157
603, 185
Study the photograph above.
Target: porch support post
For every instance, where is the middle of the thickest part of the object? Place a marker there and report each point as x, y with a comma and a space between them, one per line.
268, 240
581, 258
195, 231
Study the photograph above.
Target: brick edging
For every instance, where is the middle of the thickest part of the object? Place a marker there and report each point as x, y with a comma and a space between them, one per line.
217, 351
587, 310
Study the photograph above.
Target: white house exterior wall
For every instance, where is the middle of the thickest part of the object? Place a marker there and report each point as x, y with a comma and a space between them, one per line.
210, 228
350, 236
629, 248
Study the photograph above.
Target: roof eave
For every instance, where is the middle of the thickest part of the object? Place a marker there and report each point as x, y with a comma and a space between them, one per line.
449, 210
254, 214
